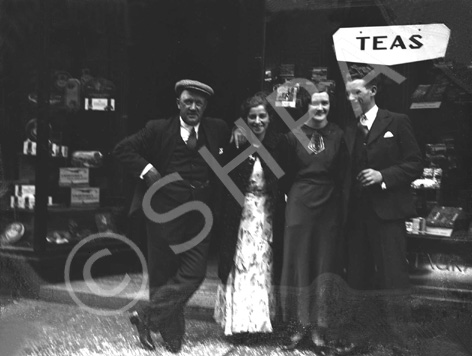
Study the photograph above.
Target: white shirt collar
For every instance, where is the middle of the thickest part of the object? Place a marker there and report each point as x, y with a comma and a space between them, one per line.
186, 128
370, 117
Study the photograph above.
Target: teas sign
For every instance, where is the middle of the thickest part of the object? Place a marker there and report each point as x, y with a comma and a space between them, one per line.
391, 45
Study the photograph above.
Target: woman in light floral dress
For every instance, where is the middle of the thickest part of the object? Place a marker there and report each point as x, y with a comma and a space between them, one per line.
251, 233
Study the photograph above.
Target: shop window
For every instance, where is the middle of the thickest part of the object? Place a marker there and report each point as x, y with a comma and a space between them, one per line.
85, 80
435, 93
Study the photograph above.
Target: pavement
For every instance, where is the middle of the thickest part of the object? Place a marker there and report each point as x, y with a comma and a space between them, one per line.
121, 292
83, 318
40, 328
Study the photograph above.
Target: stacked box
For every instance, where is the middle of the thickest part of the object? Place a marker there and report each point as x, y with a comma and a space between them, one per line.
78, 180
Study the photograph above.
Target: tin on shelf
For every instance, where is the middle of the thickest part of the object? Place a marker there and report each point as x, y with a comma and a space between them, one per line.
437, 174
415, 227
421, 225
409, 226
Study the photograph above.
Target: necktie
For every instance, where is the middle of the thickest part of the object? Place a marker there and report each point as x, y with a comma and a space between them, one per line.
192, 139
363, 128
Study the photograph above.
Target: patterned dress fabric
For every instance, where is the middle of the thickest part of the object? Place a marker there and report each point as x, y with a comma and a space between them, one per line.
245, 303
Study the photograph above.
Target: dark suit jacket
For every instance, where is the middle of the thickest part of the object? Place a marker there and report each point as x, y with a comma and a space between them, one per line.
155, 144
397, 157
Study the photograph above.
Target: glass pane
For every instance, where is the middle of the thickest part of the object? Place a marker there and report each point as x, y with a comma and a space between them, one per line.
85, 55
436, 94
299, 44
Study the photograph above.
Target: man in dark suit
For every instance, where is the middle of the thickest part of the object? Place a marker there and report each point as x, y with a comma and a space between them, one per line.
385, 159
161, 148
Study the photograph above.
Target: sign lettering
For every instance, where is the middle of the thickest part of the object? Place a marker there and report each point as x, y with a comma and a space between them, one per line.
391, 45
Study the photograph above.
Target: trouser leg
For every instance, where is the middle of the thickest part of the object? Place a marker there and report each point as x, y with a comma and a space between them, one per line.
168, 301
173, 278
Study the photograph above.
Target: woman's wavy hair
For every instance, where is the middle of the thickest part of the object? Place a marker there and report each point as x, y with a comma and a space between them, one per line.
257, 99
304, 97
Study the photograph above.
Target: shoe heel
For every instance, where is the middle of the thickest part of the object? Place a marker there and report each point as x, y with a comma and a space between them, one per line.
134, 319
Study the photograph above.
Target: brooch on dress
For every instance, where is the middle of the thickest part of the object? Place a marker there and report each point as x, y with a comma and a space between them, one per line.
316, 144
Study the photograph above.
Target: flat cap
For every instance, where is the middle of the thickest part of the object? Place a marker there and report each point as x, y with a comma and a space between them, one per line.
193, 85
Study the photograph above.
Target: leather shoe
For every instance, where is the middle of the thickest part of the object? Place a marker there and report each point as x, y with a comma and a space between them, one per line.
172, 343
238, 339
172, 333
143, 331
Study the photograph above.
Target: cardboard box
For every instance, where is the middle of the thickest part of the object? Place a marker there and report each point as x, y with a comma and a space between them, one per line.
84, 196
70, 176
100, 104
24, 190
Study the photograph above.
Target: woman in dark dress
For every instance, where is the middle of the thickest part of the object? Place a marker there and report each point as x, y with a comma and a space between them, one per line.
312, 224
245, 299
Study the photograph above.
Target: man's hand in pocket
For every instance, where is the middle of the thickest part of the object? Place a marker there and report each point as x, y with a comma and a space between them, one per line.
151, 177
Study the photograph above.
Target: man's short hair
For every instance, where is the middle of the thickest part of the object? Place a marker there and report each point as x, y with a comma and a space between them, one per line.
361, 71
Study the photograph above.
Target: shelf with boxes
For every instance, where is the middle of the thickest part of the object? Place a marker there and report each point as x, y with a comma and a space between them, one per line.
83, 187
439, 242
67, 222
443, 207
81, 206
63, 102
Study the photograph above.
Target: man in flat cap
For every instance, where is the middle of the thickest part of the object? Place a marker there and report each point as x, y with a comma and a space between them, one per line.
162, 148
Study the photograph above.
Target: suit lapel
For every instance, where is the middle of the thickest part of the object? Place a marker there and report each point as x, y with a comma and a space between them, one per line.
169, 141
382, 120
210, 137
